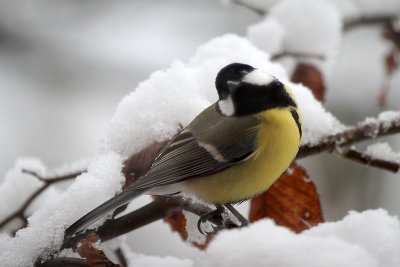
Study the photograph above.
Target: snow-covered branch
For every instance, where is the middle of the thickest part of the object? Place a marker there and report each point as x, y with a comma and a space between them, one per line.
160, 208
20, 213
363, 158
369, 129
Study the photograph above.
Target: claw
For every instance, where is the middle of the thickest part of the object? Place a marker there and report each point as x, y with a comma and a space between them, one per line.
199, 226
205, 217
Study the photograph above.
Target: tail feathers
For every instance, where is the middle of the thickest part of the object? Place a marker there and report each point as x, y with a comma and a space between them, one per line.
103, 209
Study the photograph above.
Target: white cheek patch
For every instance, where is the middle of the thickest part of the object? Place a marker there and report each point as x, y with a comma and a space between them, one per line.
258, 77
213, 151
226, 106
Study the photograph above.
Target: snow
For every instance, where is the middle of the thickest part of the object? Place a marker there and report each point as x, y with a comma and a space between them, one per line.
317, 122
385, 119
141, 260
311, 27
17, 186
370, 238
382, 151
156, 108
388, 117
46, 226
267, 35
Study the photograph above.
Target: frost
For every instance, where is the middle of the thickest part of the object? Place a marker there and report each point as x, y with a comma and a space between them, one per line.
382, 151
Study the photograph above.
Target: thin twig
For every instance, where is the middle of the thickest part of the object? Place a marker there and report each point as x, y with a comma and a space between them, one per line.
367, 20
63, 261
121, 257
297, 55
20, 213
256, 9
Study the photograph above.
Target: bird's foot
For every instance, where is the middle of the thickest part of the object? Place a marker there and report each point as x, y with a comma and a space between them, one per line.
243, 220
207, 216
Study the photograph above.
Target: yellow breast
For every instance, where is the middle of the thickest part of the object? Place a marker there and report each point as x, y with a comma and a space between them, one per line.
278, 140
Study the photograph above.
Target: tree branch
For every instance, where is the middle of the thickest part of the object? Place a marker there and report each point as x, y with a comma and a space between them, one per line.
160, 208
357, 156
63, 261
361, 132
256, 9
367, 20
20, 213
296, 55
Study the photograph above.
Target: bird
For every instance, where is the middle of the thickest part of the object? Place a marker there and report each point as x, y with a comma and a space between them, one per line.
232, 151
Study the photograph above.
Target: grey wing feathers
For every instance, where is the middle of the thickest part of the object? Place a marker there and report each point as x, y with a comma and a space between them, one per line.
179, 163
101, 210
188, 156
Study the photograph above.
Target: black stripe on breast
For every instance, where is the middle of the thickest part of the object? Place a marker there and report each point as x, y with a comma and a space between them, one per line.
295, 116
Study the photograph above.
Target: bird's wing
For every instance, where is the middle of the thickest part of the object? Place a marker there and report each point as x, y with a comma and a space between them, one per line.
188, 156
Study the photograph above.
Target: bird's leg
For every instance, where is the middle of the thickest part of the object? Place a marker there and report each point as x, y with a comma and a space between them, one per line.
243, 221
205, 217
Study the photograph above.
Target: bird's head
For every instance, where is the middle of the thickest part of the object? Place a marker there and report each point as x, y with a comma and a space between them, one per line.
244, 90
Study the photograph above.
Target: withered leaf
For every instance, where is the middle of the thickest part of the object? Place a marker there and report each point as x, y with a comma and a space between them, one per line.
94, 257
138, 164
311, 77
178, 224
292, 201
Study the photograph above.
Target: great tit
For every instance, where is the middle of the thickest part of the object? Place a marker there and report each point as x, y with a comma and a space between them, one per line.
232, 151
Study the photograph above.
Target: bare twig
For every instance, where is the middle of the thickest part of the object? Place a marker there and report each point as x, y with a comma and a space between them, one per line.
63, 261
367, 20
121, 257
256, 9
297, 55
20, 213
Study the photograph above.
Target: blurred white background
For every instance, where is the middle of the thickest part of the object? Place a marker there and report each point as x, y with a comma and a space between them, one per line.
64, 66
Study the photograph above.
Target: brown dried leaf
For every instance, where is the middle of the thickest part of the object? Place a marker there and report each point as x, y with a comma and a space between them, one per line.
390, 62
311, 77
94, 257
138, 164
292, 201
178, 224
392, 34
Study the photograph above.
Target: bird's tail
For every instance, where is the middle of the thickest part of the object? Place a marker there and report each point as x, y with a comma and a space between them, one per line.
103, 209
